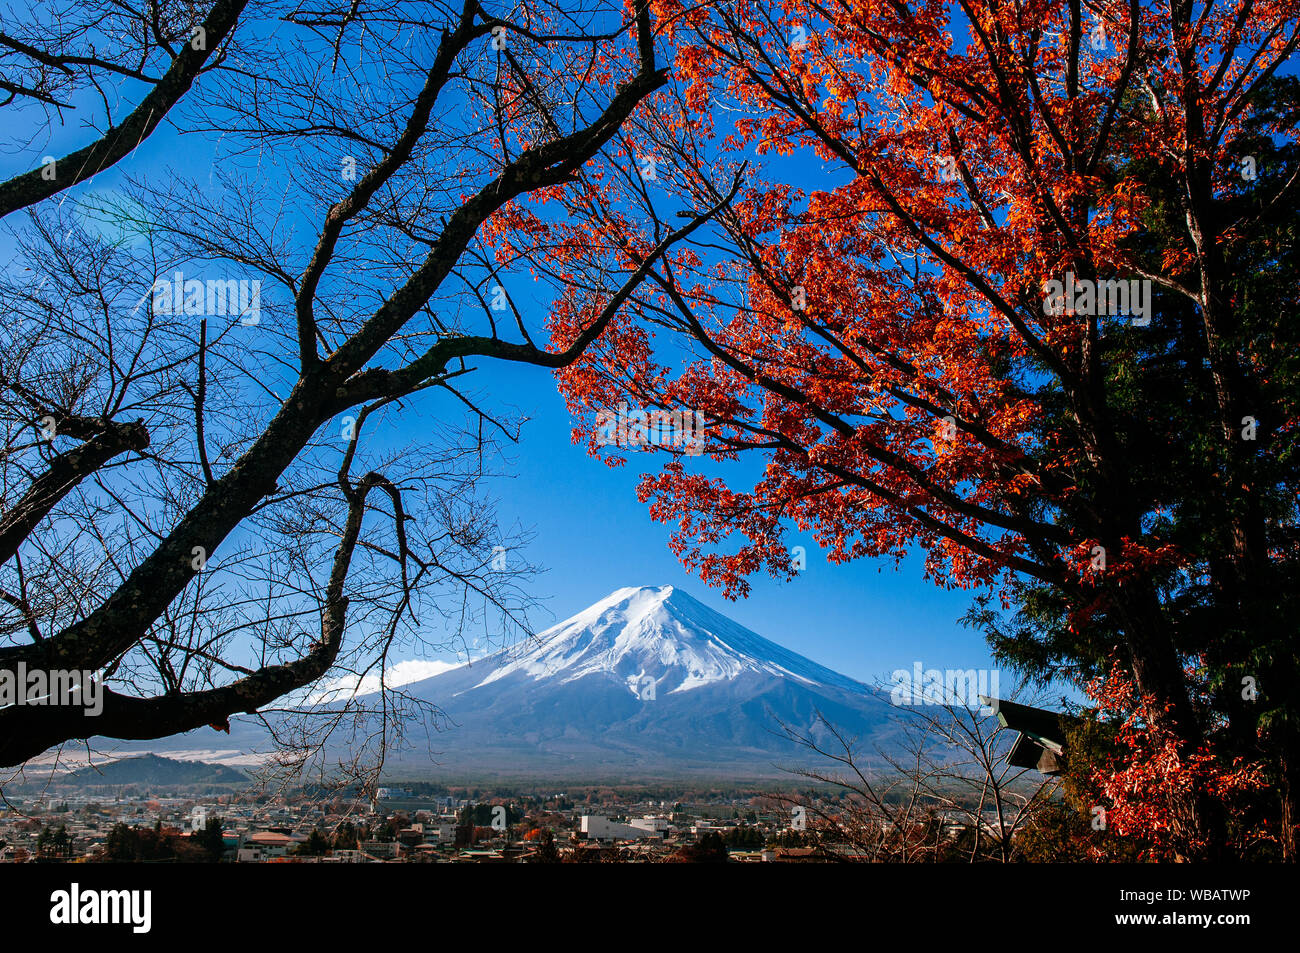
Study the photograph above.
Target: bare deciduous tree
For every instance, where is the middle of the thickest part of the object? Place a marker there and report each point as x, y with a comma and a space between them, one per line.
900, 804
210, 377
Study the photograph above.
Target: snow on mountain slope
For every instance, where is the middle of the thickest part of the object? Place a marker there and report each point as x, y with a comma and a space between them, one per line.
659, 634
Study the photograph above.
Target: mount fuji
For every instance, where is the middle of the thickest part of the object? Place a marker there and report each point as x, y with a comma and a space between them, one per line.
646, 683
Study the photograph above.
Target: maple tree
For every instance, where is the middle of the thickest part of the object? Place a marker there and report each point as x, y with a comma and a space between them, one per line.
881, 330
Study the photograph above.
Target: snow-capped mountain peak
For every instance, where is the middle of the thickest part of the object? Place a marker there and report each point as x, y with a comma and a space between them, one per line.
657, 640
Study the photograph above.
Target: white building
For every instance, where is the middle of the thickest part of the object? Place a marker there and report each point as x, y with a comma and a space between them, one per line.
602, 828
442, 833
265, 845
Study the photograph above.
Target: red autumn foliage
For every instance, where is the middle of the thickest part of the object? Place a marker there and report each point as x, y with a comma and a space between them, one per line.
1144, 786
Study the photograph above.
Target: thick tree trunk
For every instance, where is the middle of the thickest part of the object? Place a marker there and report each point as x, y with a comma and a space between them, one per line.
1242, 575
1156, 665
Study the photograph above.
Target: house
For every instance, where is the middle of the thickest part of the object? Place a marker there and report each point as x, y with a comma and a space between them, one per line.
411, 836
267, 845
424, 853
491, 856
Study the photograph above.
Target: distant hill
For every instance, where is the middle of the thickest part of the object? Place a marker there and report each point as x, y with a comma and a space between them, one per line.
154, 771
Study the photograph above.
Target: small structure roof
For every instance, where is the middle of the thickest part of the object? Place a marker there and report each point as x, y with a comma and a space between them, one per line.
1041, 742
